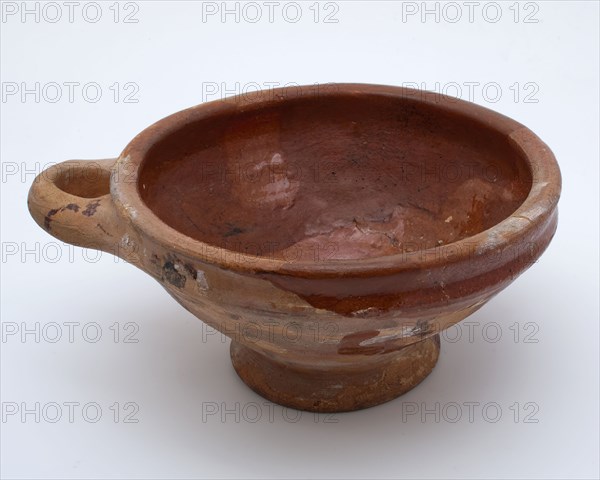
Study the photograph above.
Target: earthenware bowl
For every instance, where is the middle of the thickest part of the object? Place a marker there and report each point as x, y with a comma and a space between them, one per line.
331, 231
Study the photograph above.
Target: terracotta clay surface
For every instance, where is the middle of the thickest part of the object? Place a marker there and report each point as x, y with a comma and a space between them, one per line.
336, 388
332, 233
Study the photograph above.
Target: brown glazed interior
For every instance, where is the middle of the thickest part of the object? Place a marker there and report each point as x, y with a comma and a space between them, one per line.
338, 176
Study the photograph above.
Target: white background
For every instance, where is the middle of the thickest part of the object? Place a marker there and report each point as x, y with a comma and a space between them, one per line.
177, 372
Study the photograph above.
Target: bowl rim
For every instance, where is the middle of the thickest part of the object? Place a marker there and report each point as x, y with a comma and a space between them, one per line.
531, 215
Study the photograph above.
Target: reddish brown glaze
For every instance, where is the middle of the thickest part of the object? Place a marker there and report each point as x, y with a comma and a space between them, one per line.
345, 176
331, 233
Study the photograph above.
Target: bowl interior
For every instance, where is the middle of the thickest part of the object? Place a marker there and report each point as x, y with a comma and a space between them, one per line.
334, 177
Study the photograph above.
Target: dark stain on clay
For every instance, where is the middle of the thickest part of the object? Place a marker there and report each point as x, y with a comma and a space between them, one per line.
191, 270
90, 208
172, 270
48, 217
103, 229
233, 231
171, 275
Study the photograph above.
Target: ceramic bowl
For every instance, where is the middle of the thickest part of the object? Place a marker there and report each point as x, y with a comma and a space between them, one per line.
331, 231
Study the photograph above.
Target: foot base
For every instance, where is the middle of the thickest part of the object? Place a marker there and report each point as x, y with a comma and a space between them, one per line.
340, 388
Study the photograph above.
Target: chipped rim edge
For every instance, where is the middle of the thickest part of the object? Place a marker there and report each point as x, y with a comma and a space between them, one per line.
533, 214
